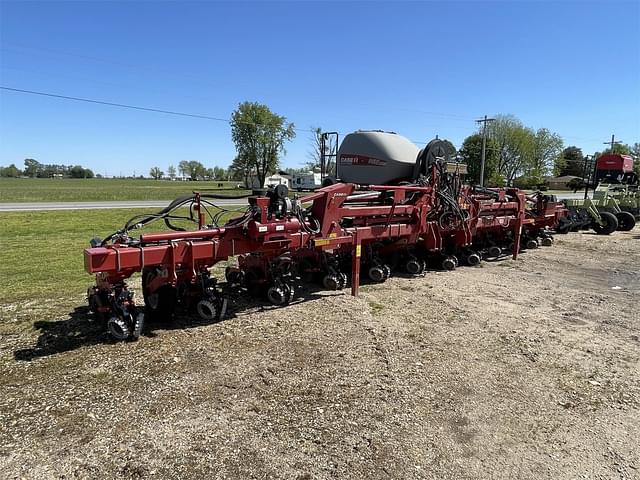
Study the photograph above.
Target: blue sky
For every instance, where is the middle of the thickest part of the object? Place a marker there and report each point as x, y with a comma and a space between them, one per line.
419, 69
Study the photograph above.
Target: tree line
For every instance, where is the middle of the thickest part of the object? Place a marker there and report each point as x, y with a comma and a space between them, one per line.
521, 156
33, 168
192, 170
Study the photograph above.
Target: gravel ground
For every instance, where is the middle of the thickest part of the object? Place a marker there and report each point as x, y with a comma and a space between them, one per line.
526, 369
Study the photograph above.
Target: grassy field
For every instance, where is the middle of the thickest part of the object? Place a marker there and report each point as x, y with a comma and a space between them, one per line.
41, 252
97, 189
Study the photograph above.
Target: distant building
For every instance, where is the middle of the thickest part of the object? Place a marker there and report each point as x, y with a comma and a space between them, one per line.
272, 180
560, 183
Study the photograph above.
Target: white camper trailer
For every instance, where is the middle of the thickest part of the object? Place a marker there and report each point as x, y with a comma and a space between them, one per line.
306, 181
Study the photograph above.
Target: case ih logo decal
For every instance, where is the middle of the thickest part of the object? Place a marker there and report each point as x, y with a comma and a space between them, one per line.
349, 159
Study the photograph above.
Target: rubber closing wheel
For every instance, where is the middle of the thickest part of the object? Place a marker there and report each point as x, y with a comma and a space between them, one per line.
531, 243
414, 266
377, 274
473, 259
118, 328
609, 224
207, 310
276, 295
626, 221
331, 282
547, 241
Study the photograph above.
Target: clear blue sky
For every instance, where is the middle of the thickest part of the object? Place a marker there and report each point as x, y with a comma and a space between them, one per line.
419, 69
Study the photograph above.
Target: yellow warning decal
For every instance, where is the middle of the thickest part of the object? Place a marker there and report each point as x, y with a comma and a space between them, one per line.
358, 250
333, 235
321, 242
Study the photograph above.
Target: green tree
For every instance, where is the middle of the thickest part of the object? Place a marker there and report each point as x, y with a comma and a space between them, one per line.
31, 167
219, 173
77, 172
569, 162
259, 136
516, 146
192, 168
11, 171
618, 148
156, 173
547, 148
171, 171
471, 153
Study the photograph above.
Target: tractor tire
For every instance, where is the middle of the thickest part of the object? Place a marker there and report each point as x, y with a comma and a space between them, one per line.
626, 221
610, 224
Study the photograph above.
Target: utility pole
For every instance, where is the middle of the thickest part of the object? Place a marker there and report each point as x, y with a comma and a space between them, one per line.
484, 145
612, 142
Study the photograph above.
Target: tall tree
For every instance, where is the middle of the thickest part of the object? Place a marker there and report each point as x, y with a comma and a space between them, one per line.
471, 153
547, 148
515, 144
171, 171
570, 162
219, 173
619, 148
259, 136
156, 173
31, 167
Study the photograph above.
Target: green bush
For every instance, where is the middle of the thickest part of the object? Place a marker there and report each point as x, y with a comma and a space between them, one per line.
576, 184
527, 182
496, 180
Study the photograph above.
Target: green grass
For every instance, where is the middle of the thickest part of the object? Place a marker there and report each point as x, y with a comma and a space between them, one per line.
41, 253
97, 189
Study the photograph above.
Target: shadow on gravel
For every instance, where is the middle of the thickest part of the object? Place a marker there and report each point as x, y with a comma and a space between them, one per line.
83, 329
79, 330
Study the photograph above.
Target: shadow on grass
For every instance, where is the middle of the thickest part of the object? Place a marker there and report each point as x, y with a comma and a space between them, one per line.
83, 329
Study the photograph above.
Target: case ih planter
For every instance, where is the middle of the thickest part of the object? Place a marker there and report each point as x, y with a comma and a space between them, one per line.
423, 216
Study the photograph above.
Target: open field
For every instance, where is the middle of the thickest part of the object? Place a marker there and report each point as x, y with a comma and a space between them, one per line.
526, 369
41, 252
101, 189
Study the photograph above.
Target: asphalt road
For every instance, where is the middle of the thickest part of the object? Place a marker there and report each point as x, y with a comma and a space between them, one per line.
41, 206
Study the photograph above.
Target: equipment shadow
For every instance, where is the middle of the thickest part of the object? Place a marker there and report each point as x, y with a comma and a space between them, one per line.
82, 328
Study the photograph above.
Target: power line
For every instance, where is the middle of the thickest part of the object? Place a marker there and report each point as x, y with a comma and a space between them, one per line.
147, 109
112, 104
133, 107
143, 68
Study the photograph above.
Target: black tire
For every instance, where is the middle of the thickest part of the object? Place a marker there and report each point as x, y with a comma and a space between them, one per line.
626, 221
609, 224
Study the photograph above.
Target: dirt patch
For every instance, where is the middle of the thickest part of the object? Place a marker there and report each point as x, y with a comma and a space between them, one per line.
526, 369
